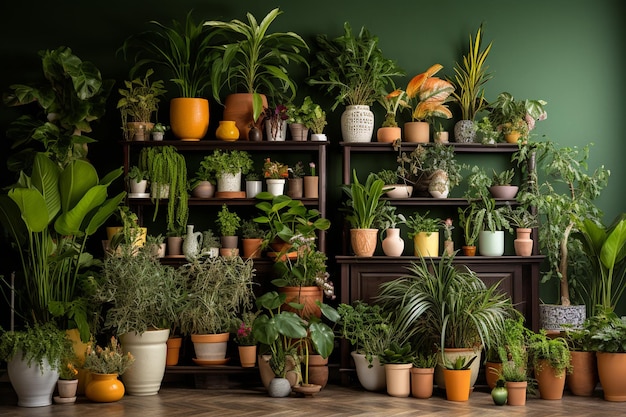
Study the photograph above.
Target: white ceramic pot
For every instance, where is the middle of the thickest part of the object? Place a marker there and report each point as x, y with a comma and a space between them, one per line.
33, 387
372, 379
491, 243
276, 186
229, 182
253, 188
138, 187
357, 124
150, 352
393, 244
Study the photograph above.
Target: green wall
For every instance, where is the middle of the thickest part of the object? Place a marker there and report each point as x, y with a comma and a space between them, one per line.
567, 52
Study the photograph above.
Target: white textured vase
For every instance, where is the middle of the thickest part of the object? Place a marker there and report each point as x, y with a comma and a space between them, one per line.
229, 182
150, 351
33, 386
465, 131
393, 244
357, 124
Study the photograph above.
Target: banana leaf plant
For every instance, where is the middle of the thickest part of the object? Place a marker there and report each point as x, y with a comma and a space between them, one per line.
49, 216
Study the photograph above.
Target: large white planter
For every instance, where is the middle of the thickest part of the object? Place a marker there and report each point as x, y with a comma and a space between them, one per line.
150, 351
372, 379
33, 387
491, 243
357, 124
229, 182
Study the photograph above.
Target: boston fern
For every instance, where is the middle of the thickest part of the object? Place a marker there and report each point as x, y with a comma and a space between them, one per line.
37, 343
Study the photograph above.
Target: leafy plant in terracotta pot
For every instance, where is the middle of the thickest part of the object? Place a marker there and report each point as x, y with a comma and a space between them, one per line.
228, 223
391, 102
551, 359
510, 116
426, 96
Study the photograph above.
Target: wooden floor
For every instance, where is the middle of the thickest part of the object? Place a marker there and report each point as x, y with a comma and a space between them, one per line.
334, 400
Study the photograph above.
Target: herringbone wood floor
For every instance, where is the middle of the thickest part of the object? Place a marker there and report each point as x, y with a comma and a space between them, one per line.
175, 399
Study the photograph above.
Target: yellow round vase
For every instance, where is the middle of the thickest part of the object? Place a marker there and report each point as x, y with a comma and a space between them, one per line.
104, 388
227, 130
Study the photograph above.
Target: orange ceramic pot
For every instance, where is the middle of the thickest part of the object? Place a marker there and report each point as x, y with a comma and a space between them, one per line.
189, 118
457, 384
173, 350
363, 241
418, 132
104, 388
388, 134
422, 380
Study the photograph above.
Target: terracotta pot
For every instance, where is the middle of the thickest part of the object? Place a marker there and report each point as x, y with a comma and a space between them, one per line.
303, 295
612, 374
398, 379
67, 388
457, 384
551, 386
238, 107
228, 252
422, 381
104, 388
516, 393
426, 244
318, 370
451, 354
173, 350
251, 248
311, 186
388, 134
417, 132
583, 379
189, 118
247, 356
523, 244
469, 250
442, 137
363, 241
210, 346
492, 371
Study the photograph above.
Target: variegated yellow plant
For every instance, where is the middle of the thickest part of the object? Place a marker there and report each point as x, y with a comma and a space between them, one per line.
429, 95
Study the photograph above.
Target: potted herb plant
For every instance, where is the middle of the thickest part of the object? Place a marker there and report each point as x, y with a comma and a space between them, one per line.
185, 51
524, 221
141, 299
138, 104
228, 223
422, 374
228, 167
33, 357
426, 96
250, 59
362, 207
353, 68
470, 78
424, 231
218, 291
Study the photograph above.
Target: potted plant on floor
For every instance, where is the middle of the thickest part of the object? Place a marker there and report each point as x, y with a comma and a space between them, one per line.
583, 379
34, 356
363, 206
51, 237
424, 231
138, 105
422, 373
184, 50
563, 167
398, 361
453, 307
457, 374
551, 360
218, 291
353, 68
105, 366
250, 59
608, 340
470, 78
140, 298
365, 327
